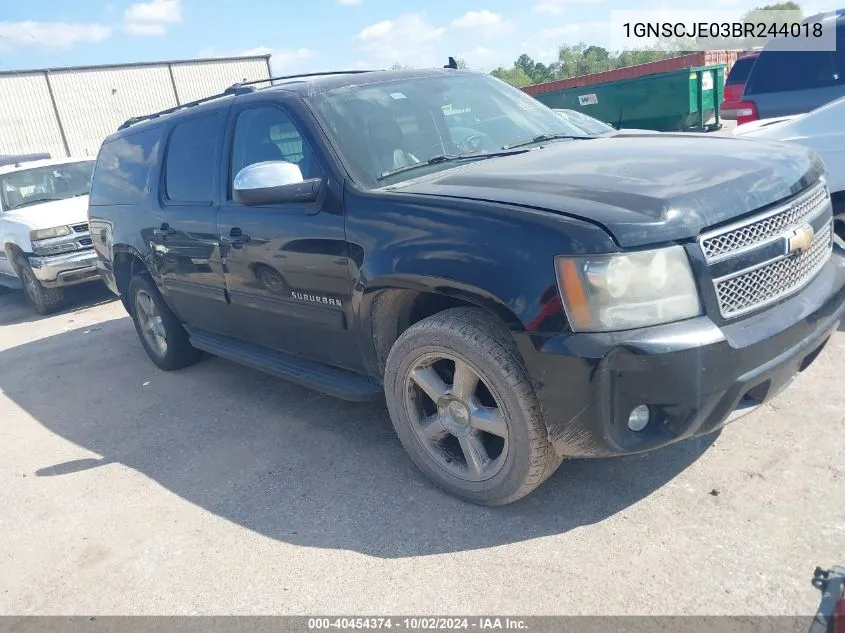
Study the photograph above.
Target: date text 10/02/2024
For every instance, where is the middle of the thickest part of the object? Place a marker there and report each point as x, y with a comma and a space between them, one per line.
417, 624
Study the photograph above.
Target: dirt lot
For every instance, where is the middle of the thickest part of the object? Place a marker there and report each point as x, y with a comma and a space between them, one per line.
217, 489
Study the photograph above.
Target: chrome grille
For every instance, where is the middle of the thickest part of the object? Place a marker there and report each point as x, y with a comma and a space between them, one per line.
85, 241
761, 286
736, 238
80, 228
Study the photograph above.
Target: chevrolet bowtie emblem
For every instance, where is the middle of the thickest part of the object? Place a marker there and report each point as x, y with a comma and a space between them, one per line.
800, 239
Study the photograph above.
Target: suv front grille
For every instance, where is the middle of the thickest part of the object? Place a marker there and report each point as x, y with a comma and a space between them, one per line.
80, 228
761, 286
771, 226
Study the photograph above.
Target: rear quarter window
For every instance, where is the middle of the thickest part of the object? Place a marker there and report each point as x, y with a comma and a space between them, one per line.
786, 71
123, 168
740, 70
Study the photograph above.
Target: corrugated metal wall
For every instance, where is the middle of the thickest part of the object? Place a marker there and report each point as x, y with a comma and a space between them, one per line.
87, 104
199, 79
27, 119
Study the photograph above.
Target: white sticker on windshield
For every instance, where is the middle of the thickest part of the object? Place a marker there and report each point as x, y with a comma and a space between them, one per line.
397, 95
447, 109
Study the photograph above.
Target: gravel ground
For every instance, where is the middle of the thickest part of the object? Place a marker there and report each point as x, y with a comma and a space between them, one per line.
127, 490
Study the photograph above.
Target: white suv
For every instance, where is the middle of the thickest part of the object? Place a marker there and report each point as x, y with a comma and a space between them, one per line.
44, 240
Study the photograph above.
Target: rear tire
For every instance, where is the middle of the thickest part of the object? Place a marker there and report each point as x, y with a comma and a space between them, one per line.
465, 409
162, 335
43, 300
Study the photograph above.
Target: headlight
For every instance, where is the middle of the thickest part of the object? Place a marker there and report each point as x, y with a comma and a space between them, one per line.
625, 291
46, 234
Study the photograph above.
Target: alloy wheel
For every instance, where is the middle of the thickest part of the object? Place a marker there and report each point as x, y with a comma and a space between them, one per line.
456, 417
151, 323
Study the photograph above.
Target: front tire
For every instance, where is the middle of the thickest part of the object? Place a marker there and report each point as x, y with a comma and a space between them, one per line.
43, 300
465, 410
162, 335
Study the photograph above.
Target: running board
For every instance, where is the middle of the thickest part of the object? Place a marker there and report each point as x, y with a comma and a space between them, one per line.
307, 373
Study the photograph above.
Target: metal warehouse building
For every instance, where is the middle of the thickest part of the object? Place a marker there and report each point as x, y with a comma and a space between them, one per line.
69, 111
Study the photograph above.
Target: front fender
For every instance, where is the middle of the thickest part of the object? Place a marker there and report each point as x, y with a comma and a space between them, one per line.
16, 233
497, 256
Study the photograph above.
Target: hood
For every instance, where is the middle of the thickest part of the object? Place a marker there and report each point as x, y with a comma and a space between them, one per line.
629, 130
643, 189
54, 213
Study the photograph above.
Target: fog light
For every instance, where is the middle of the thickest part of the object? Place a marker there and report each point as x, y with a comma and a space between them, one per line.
639, 417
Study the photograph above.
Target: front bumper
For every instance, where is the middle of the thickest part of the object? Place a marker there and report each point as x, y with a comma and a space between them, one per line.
65, 270
694, 376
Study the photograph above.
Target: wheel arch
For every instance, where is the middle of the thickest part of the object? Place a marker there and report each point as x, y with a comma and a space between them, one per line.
126, 263
389, 307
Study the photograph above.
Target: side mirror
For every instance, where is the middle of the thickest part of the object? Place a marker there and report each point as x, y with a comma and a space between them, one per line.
273, 182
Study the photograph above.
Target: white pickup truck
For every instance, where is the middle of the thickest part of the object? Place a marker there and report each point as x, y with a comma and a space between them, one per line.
44, 241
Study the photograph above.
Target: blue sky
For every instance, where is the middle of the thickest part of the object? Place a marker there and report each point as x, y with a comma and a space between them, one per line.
309, 35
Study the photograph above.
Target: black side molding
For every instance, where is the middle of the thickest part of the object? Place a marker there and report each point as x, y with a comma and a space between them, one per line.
329, 380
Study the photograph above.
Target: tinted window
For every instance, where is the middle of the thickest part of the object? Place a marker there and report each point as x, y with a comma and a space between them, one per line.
189, 166
740, 70
784, 71
268, 133
123, 168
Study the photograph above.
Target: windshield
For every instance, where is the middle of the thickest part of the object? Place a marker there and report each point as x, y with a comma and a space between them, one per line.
384, 127
590, 125
43, 184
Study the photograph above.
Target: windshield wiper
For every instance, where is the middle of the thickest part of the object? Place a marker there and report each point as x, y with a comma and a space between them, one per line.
541, 138
451, 158
26, 203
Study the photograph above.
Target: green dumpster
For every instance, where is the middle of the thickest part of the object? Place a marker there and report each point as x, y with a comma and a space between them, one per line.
671, 101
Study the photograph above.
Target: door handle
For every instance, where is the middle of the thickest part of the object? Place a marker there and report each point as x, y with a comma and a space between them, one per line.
163, 231
235, 238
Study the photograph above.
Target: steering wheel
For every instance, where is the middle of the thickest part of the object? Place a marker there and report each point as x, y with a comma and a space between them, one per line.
475, 142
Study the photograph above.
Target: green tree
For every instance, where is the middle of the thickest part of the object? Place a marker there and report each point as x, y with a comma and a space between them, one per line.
514, 75
462, 65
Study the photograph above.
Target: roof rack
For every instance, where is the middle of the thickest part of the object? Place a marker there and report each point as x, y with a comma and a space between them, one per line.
302, 76
232, 90
14, 159
243, 87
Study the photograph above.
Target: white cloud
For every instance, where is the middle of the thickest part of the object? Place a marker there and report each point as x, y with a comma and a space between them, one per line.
557, 7
258, 50
51, 34
281, 59
152, 18
409, 39
478, 19
288, 59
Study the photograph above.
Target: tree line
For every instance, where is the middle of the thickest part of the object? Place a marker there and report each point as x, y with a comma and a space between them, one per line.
581, 59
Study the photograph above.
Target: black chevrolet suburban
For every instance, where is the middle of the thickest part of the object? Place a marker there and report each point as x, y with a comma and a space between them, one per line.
519, 293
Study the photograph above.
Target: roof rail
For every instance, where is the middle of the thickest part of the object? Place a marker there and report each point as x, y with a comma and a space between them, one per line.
237, 89
301, 76
243, 87
14, 159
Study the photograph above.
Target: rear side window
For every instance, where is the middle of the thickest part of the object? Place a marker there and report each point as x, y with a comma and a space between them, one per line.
785, 71
740, 70
123, 168
190, 160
